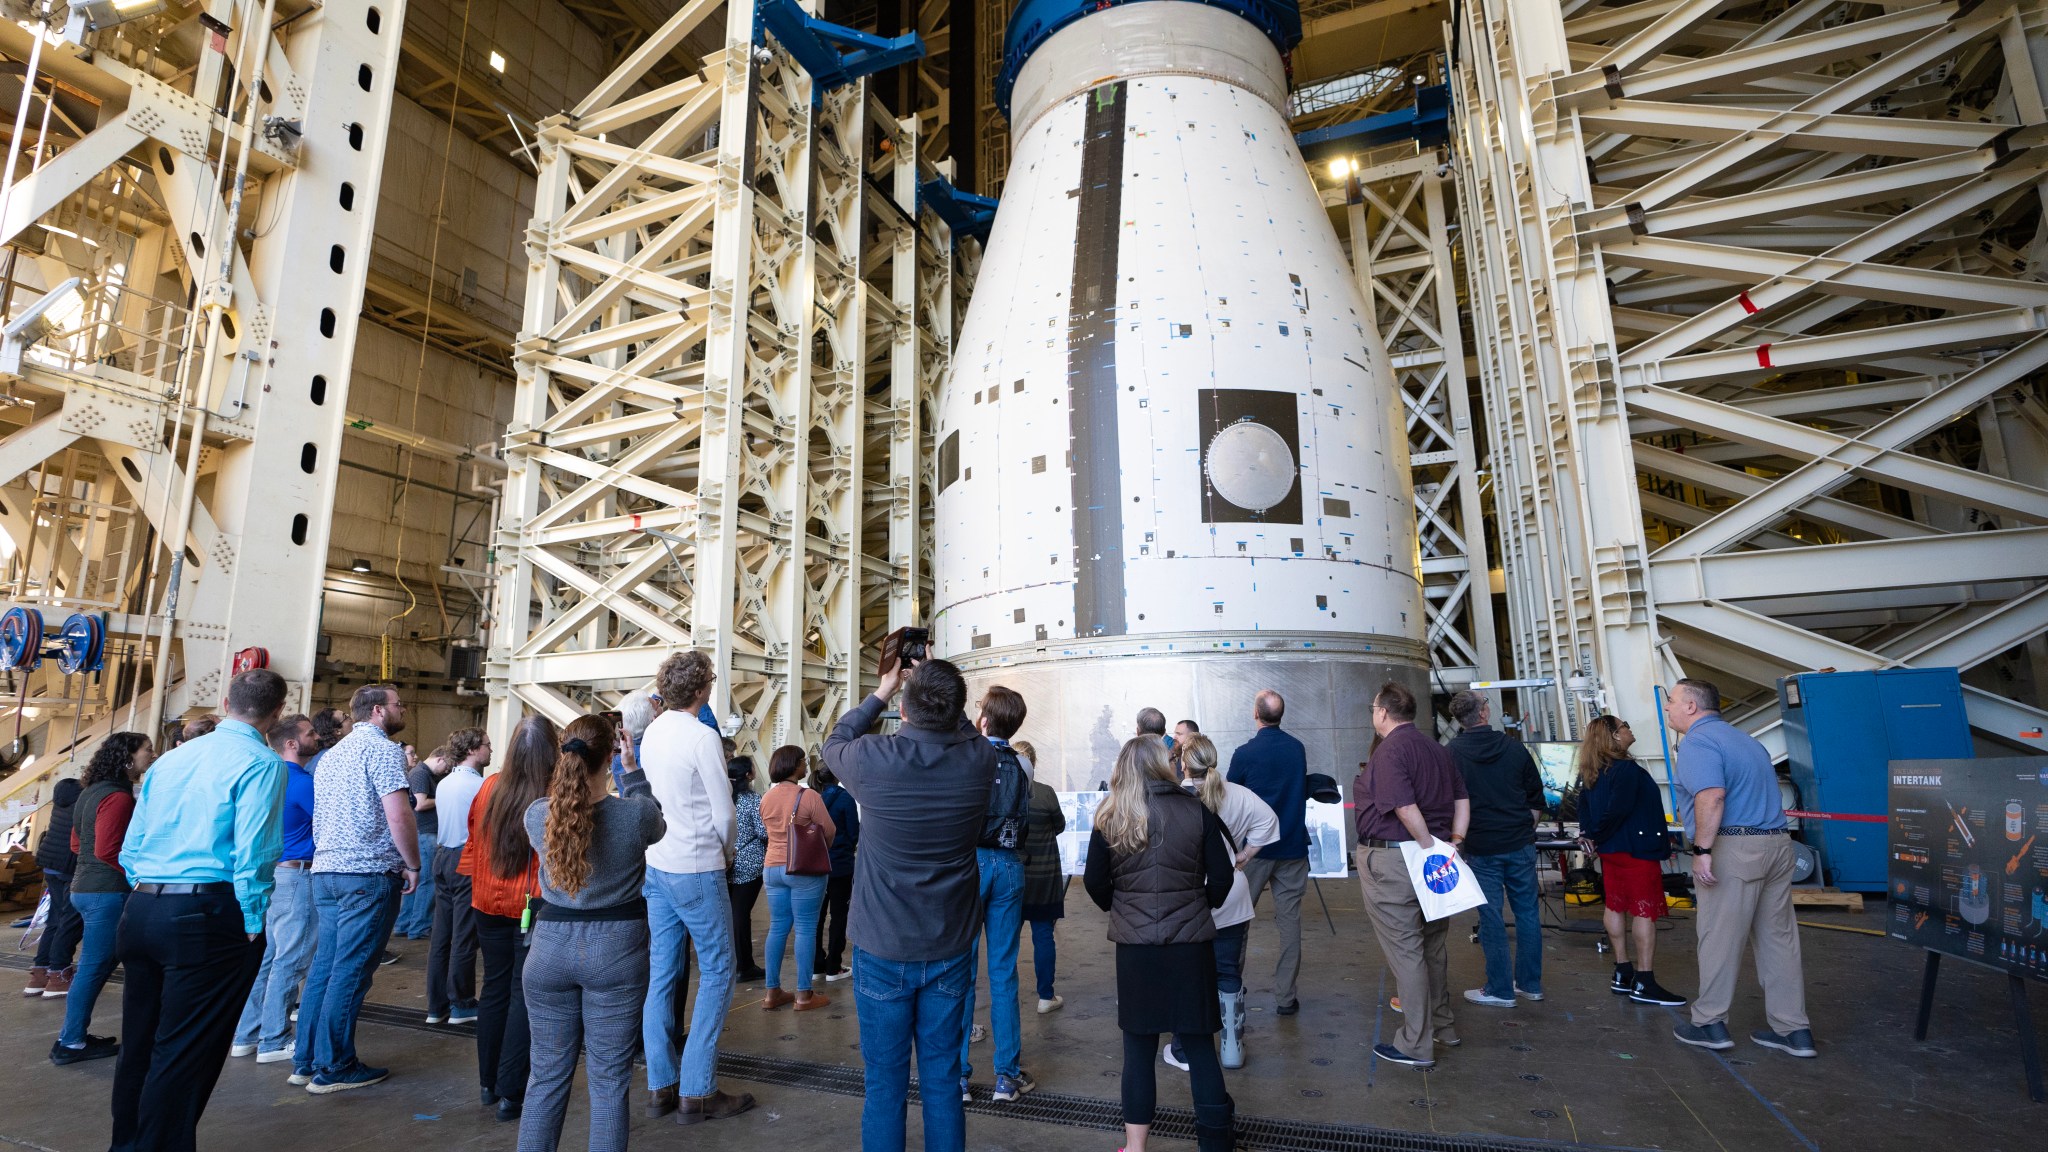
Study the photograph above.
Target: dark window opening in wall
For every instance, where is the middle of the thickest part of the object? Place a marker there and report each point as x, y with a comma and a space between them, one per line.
129, 467
337, 257
355, 137
363, 77
319, 389
299, 523
309, 458
199, 245
348, 197
327, 323
227, 326
164, 161
375, 20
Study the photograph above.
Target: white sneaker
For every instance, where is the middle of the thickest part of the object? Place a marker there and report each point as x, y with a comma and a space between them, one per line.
274, 1056
1172, 1061
1525, 994
242, 1050
977, 1034
1479, 996
842, 974
1052, 1005
437, 1018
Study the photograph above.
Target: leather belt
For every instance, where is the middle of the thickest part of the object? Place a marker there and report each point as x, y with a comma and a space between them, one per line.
294, 863
1745, 830
1369, 842
211, 886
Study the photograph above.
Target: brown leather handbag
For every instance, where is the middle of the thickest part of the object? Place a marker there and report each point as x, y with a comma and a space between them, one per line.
810, 854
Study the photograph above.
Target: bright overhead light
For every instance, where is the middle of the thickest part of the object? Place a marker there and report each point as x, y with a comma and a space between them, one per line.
360, 566
107, 13
497, 62
1340, 168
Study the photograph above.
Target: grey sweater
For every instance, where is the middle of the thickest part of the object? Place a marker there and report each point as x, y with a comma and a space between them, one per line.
623, 828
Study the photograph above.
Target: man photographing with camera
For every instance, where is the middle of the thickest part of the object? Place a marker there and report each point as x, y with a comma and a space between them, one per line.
923, 795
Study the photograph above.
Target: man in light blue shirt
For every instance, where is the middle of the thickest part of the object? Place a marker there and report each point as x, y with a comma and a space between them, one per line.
206, 835
1727, 794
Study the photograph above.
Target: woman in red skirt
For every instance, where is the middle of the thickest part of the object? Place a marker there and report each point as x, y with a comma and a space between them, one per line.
1621, 816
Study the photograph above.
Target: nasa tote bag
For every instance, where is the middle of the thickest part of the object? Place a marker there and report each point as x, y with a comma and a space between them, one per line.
1444, 883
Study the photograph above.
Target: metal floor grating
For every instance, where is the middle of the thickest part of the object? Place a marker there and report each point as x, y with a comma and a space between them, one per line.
1254, 1133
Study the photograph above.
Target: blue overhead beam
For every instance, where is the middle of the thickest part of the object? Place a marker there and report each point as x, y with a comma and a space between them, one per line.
1428, 123
832, 54
964, 212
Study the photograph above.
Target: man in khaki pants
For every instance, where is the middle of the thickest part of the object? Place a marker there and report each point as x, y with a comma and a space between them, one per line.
1410, 790
1727, 795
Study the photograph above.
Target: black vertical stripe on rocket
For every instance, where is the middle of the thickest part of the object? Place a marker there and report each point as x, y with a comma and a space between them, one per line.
1091, 372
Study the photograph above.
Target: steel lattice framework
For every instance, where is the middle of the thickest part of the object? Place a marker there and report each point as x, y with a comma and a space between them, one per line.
1758, 296
734, 325
1401, 250
188, 377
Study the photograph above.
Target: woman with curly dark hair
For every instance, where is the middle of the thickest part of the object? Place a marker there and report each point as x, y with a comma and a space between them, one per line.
99, 888
586, 971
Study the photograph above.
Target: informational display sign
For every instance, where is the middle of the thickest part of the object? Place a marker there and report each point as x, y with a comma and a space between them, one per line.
1969, 859
1557, 762
1326, 840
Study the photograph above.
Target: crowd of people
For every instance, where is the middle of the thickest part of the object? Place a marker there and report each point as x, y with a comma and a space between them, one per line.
250, 879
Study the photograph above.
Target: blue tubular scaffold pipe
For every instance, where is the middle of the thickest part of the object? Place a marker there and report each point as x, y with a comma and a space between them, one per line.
832, 54
1427, 123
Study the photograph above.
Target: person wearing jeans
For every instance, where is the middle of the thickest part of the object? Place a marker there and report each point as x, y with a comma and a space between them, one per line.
1004, 833
58, 945
793, 901
292, 925
99, 888
363, 837
901, 1002
416, 912
688, 903
1507, 800
923, 792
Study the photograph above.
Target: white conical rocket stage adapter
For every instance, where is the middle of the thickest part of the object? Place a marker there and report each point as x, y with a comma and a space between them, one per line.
1168, 473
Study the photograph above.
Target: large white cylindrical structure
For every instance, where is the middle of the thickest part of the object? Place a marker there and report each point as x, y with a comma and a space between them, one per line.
1168, 474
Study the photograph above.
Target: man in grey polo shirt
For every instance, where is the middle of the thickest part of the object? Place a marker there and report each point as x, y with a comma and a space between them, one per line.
1742, 861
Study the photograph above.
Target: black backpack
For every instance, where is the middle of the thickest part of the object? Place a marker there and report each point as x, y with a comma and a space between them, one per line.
1008, 800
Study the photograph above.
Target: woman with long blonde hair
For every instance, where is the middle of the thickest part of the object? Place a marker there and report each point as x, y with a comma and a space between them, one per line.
586, 975
1621, 817
1159, 863
1251, 824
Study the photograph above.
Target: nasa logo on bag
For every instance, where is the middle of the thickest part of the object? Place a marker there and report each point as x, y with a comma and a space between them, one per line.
1440, 873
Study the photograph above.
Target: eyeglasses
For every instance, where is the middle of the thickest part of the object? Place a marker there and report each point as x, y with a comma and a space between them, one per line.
1624, 724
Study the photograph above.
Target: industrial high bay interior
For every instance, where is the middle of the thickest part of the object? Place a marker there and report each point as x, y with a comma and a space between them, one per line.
496, 348
1717, 327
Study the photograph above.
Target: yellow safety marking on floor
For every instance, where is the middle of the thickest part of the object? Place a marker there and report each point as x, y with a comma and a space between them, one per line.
1688, 1108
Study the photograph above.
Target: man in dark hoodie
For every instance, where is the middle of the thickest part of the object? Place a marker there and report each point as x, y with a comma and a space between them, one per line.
1507, 800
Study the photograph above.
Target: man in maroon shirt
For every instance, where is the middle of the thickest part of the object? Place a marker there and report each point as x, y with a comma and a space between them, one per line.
1409, 790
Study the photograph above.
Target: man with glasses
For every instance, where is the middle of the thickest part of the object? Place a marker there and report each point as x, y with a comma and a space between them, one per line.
1410, 790
365, 857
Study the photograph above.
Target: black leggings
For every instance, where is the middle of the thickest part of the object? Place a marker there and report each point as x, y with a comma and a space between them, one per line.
1205, 1074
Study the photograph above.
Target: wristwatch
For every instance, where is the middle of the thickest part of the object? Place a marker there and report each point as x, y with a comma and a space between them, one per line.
1703, 849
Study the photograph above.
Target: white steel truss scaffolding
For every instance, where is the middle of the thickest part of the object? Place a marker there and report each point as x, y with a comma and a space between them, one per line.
734, 325
179, 363
1758, 293
1402, 253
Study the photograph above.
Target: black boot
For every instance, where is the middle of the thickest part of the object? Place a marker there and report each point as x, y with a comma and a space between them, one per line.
1214, 1126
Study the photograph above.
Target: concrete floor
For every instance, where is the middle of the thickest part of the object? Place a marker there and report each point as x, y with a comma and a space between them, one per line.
1582, 1067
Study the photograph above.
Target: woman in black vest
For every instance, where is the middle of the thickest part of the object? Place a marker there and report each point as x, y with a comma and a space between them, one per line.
1158, 861
99, 889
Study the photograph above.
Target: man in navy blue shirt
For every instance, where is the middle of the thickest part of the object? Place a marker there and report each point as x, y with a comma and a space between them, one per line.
1275, 767
290, 929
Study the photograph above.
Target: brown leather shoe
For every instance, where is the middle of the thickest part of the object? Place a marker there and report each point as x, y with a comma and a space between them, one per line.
776, 998
38, 979
805, 1001
59, 984
720, 1105
664, 1102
